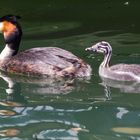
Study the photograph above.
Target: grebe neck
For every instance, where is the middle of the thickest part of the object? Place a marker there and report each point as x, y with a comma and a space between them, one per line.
7, 53
107, 57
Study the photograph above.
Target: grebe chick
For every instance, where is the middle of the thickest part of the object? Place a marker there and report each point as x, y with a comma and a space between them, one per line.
120, 72
42, 61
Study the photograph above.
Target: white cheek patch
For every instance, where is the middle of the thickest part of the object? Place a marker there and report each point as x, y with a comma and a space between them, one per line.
1, 26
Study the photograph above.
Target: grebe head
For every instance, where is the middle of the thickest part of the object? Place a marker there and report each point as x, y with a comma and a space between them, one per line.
100, 47
11, 31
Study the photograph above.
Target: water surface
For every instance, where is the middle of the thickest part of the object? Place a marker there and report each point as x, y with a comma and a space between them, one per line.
40, 109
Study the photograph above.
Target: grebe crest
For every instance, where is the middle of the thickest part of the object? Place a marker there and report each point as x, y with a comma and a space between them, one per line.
41, 61
121, 72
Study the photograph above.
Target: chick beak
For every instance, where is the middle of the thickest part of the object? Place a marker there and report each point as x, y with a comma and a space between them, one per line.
88, 49
91, 49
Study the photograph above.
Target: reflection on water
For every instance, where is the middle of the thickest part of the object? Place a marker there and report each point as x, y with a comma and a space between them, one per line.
9, 132
9, 103
127, 130
57, 134
41, 85
104, 119
20, 115
7, 113
64, 120
123, 86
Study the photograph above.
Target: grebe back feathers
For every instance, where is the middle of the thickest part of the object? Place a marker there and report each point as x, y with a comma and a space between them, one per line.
41, 61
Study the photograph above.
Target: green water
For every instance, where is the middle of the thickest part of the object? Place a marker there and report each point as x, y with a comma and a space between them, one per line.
73, 110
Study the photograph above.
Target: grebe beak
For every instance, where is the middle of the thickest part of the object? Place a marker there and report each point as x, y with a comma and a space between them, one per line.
88, 49
91, 49
1, 27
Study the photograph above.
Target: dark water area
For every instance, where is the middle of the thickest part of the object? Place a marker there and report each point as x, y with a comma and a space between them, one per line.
48, 109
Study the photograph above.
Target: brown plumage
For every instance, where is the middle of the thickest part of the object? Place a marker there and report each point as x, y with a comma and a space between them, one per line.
42, 61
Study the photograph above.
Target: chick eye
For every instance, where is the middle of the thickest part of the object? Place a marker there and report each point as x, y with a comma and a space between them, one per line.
98, 47
104, 44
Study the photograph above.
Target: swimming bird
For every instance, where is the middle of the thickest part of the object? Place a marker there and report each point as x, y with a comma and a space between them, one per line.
40, 61
120, 72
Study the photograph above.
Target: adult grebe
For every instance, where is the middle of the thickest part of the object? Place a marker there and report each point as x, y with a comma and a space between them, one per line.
121, 72
45, 61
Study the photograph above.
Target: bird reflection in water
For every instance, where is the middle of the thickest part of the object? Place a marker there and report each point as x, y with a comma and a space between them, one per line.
123, 86
41, 86
17, 110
